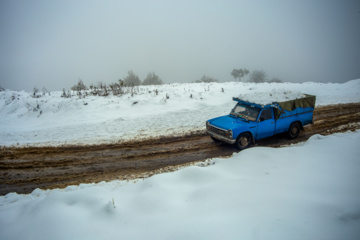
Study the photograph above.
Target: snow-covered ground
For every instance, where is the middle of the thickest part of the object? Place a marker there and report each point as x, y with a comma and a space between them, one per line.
175, 110
305, 191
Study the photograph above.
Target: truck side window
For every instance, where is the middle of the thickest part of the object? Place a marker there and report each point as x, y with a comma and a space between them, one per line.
266, 114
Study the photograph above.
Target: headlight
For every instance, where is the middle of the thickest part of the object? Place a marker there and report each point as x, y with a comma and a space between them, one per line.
229, 133
207, 125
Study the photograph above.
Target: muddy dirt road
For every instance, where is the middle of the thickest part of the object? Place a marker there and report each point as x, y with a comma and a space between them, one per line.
24, 169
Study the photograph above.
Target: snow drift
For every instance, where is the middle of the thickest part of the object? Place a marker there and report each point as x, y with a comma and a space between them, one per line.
307, 191
170, 109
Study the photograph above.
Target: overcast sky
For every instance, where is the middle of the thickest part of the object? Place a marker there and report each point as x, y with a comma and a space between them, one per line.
54, 43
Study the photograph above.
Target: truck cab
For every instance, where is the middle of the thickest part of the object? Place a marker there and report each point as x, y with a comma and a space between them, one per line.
249, 122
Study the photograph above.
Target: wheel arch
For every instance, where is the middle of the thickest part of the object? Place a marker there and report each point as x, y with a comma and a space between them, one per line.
251, 135
299, 122
294, 129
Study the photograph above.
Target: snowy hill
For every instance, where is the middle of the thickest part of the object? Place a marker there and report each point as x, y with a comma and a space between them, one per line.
143, 112
306, 191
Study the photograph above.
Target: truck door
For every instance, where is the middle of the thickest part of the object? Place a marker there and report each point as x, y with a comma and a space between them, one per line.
266, 124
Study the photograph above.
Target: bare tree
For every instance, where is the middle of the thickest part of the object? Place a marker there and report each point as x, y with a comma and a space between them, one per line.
206, 79
239, 73
257, 76
152, 79
132, 79
79, 86
45, 91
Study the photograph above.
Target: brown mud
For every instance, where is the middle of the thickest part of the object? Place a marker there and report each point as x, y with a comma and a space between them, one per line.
24, 169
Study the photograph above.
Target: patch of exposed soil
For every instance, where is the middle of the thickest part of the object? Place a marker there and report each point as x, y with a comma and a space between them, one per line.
24, 169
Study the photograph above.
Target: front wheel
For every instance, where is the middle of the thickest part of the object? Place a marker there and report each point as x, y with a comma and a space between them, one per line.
294, 130
243, 141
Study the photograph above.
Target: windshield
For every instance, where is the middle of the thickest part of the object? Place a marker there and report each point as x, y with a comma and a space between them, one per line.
246, 112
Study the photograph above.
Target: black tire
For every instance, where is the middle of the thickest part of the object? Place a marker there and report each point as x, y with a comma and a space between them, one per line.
294, 130
243, 141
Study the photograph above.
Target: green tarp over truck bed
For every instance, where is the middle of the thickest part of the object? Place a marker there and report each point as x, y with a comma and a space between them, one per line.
306, 102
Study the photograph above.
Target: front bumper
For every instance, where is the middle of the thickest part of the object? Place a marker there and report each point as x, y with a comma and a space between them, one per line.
221, 138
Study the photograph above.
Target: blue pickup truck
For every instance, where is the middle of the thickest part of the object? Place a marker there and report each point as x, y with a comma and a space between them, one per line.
249, 122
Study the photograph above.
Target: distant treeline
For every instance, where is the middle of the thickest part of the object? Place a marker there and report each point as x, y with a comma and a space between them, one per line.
132, 80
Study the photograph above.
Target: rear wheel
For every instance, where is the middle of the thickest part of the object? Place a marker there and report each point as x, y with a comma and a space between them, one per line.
243, 141
294, 130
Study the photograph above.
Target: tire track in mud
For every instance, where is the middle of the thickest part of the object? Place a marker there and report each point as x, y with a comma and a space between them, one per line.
24, 169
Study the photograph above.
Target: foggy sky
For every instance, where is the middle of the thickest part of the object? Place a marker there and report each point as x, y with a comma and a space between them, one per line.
54, 43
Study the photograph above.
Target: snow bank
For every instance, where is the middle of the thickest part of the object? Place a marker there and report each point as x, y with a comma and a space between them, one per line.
307, 191
170, 109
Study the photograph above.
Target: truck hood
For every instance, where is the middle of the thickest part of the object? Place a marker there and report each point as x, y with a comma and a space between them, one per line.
227, 122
